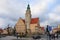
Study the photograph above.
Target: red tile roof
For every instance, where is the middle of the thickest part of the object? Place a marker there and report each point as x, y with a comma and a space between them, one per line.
33, 20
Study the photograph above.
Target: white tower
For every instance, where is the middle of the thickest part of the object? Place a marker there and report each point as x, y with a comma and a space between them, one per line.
28, 17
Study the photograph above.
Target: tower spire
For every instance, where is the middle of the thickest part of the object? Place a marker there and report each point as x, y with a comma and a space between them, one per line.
28, 7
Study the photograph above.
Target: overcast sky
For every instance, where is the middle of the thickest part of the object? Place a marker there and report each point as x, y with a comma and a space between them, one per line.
47, 10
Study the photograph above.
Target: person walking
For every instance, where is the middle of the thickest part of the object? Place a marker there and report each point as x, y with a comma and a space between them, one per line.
57, 34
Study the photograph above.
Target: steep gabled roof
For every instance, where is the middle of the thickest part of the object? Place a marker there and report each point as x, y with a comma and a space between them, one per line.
23, 20
19, 20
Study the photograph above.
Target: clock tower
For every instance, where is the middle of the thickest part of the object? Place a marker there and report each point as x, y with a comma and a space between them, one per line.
28, 17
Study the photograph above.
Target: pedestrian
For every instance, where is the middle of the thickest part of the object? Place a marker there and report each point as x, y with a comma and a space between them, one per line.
49, 36
57, 34
54, 36
17, 35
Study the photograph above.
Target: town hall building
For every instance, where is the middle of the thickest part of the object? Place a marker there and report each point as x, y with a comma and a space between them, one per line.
28, 25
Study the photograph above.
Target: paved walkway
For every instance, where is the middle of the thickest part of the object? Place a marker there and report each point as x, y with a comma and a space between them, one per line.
14, 38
